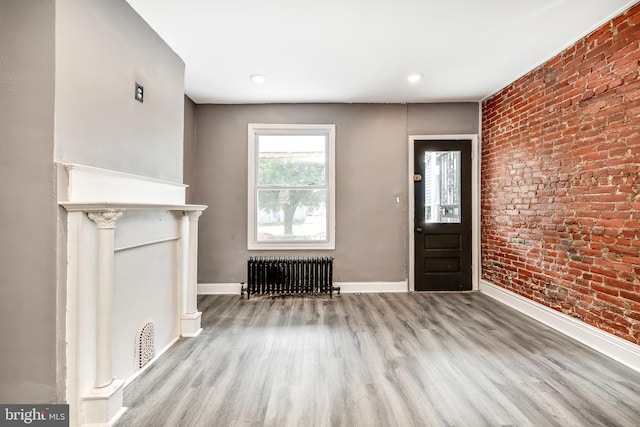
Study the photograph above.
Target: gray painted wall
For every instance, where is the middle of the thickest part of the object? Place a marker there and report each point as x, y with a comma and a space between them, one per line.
371, 172
67, 75
102, 49
28, 208
443, 119
189, 171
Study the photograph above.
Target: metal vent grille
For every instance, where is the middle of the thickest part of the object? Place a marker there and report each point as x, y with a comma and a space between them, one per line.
146, 344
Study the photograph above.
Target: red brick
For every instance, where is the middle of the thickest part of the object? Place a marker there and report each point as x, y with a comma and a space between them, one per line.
618, 285
623, 52
560, 168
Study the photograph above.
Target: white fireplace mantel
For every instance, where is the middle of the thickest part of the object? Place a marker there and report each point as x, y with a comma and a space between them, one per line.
96, 202
122, 207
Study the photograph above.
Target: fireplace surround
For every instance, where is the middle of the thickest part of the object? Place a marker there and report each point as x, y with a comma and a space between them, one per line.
131, 255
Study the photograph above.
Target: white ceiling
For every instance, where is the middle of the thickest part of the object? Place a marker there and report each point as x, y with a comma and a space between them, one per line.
363, 50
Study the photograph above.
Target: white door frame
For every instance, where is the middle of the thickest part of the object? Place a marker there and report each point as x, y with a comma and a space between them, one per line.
475, 204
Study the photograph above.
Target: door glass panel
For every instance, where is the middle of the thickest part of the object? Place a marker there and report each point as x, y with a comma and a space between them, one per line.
442, 187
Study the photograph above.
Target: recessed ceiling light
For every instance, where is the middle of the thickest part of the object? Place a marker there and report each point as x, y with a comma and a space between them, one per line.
258, 78
414, 78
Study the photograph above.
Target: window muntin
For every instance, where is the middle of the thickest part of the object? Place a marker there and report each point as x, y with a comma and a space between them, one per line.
291, 180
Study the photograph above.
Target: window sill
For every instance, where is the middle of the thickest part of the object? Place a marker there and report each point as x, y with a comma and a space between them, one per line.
306, 246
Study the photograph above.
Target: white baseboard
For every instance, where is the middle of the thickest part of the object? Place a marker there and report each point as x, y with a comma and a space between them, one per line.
151, 362
219, 288
371, 287
345, 287
610, 345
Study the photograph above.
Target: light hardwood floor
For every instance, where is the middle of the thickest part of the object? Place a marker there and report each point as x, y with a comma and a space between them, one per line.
422, 359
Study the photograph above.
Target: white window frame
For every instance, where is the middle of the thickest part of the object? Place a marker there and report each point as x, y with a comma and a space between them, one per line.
256, 129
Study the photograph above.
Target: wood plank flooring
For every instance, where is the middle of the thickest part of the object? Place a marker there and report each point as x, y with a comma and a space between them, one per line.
422, 359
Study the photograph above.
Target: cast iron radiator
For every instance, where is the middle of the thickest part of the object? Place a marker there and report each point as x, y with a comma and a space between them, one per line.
289, 276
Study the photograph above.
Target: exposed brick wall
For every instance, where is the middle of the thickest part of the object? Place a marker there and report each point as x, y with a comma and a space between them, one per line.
561, 181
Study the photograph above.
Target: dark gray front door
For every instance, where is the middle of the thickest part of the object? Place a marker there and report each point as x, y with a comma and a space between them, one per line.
442, 179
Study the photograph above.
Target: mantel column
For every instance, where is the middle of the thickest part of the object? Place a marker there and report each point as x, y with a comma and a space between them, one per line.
192, 289
106, 222
191, 316
103, 403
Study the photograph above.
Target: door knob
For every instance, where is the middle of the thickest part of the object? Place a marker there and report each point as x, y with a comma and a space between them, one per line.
418, 229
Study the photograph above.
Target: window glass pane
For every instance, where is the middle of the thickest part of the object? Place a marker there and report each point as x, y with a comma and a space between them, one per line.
292, 215
286, 160
442, 186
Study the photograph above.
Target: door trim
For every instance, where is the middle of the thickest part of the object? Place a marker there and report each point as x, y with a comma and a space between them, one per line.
475, 204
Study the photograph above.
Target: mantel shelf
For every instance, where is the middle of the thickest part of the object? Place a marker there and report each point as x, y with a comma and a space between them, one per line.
116, 206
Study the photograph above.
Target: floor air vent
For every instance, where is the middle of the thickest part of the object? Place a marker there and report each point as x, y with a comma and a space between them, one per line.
145, 344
